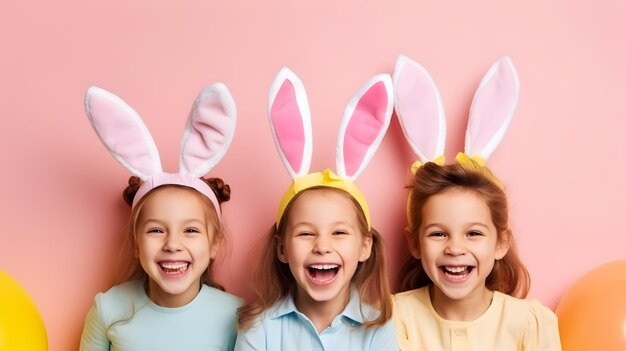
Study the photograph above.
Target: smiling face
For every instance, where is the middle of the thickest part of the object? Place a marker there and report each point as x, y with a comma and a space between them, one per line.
323, 243
458, 244
174, 244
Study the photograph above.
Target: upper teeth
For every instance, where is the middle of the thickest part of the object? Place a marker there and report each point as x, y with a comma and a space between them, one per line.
324, 266
456, 269
179, 265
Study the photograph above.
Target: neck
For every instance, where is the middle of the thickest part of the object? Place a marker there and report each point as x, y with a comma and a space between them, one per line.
321, 313
165, 299
468, 308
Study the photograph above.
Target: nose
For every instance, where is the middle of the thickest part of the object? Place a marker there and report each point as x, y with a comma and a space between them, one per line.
454, 247
322, 245
172, 243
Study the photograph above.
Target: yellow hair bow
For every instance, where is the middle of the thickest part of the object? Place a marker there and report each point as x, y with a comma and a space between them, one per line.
328, 179
473, 163
417, 164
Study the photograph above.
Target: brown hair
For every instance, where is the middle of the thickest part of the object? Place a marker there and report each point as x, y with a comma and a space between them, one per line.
129, 267
272, 280
509, 275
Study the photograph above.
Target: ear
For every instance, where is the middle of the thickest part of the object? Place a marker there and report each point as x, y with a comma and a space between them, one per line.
122, 132
215, 244
503, 244
492, 109
209, 130
280, 251
365, 121
290, 121
419, 109
366, 248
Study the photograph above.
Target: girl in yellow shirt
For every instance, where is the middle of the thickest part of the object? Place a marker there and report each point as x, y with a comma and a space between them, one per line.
463, 288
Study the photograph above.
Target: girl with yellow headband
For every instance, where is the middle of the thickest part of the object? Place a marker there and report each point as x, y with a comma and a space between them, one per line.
321, 281
465, 285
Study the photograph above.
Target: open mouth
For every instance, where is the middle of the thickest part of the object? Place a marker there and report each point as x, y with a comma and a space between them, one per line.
323, 273
456, 272
174, 268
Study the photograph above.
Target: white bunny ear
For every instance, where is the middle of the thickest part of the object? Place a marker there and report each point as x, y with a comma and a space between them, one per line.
419, 109
209, 130
492, 109
290, 121
123, 132
365, 121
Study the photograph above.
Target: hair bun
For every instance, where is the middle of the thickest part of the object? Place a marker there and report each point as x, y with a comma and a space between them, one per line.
129, 193
221, 189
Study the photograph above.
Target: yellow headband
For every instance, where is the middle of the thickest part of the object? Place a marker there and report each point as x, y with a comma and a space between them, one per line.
327, 179
471, 163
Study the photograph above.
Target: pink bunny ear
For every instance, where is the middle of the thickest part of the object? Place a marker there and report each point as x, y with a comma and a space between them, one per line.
209, 130
492, 109
419, 109
290, 121
123, 132
363, 126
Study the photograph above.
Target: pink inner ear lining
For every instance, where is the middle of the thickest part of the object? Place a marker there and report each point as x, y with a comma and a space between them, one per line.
419, 109
364, 127
210, 128
288, 126
492, 107
122, 136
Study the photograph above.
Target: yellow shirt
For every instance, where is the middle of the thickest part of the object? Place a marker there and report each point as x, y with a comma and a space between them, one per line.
508, 324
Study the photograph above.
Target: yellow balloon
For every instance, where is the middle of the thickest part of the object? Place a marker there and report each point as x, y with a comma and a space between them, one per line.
21, 326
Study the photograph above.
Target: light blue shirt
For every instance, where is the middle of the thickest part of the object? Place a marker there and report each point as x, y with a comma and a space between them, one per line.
283, 327
124, 318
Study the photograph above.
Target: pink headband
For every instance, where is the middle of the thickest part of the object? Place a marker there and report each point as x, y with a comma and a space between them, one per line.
207, 135
177, 179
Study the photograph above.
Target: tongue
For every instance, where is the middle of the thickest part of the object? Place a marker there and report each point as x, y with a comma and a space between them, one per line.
174, 270
323, 274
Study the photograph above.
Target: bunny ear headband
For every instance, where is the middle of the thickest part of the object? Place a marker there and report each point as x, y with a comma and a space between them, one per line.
207, 135
366, 118
420, 111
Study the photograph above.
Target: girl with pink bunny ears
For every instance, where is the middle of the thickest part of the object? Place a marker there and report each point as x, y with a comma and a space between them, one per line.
463, 288
167, 298
321, 280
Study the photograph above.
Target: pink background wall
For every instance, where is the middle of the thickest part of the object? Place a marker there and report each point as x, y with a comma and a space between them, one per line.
562, 160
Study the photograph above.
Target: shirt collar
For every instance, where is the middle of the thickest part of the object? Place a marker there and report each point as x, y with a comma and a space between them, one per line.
354, 312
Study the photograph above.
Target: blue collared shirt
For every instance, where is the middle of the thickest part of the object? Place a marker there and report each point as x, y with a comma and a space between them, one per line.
283, 327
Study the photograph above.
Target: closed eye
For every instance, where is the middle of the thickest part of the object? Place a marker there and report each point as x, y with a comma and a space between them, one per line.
341, 232
436, 234
305, 234
474, 233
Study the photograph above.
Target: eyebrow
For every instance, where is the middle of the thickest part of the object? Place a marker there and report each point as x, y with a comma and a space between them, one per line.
186, 221
468, 224
308, 223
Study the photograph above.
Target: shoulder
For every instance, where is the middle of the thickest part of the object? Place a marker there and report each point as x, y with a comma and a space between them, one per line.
274, 317
531, 308
120, 301
271, 330
412, 308
539, 323
255, 335
411, 298
220, 298
540, 315
529, 313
